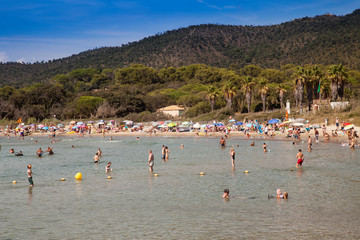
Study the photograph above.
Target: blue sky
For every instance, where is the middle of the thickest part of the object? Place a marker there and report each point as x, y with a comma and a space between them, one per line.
37, 30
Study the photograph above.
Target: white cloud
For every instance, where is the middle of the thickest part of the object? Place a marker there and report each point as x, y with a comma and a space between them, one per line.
21, 60
3, 57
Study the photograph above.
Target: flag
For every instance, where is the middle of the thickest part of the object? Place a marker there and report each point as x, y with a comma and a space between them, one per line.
319, 87
19, 121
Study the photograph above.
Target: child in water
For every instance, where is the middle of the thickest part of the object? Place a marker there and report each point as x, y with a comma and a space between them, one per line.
226, 193
108, 167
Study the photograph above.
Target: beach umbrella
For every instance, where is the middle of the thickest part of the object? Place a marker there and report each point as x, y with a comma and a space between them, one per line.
238, 123
349, 127
41, 126
45, 128
60, 125
232, 120
299, 120
345, 124
90, 122
196, 125
203, 126
74, 127
168, 121
185, 123
128, 122
171, 124
287, 122
154, 124
72, 122
79, 123
274, 120
298, 124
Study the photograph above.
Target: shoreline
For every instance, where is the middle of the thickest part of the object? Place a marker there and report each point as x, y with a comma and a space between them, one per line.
279, 136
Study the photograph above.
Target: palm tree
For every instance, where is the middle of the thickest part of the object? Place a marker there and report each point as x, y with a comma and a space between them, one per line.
212, 96
338, 77
317, 76
263, 92
299, 86
248, 86
281, 89
229, 91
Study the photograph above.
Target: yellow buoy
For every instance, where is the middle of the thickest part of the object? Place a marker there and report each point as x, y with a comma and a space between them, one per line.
247, 171
14, 182
78, 176
109, 177
202, 173
62, 179
156, 175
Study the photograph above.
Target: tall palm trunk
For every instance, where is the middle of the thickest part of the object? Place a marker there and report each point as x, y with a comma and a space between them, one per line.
281, 98
248, 99
263, 98
310, 93
334, 89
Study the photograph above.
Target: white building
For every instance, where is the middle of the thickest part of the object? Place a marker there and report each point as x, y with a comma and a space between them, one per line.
172, 110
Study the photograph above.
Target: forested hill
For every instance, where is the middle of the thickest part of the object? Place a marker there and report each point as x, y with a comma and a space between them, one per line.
326, 39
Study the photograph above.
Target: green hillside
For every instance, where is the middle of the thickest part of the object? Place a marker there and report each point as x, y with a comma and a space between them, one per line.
326, 39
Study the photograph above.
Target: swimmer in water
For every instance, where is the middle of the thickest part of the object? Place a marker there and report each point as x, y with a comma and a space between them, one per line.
167, 153
137, 138
264, 146
252, 144
232, 156
39, 152
151, 161
96, 158
300, 159
11, 151
309, 144
163, 152
100, 153
222, 142
30, 175
108, 167
226, 194
19, 154
182, 146
50, 151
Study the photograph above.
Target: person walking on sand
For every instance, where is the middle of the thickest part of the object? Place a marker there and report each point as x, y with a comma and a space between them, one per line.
30, 175
151, 161
232, 157
309, 143
300, 159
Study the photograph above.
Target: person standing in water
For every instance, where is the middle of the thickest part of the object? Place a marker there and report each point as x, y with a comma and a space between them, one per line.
222, 142
300, 159
96, 158
265, 146
163, 153
309, 144
226, 193
108, 167
30, 175
151, 161
39, 152
49, 149
100, 153
232, 156
167, 153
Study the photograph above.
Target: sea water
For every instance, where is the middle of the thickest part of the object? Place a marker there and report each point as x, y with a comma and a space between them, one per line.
324, 195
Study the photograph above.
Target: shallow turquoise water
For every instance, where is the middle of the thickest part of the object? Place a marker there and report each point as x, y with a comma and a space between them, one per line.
179, 204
